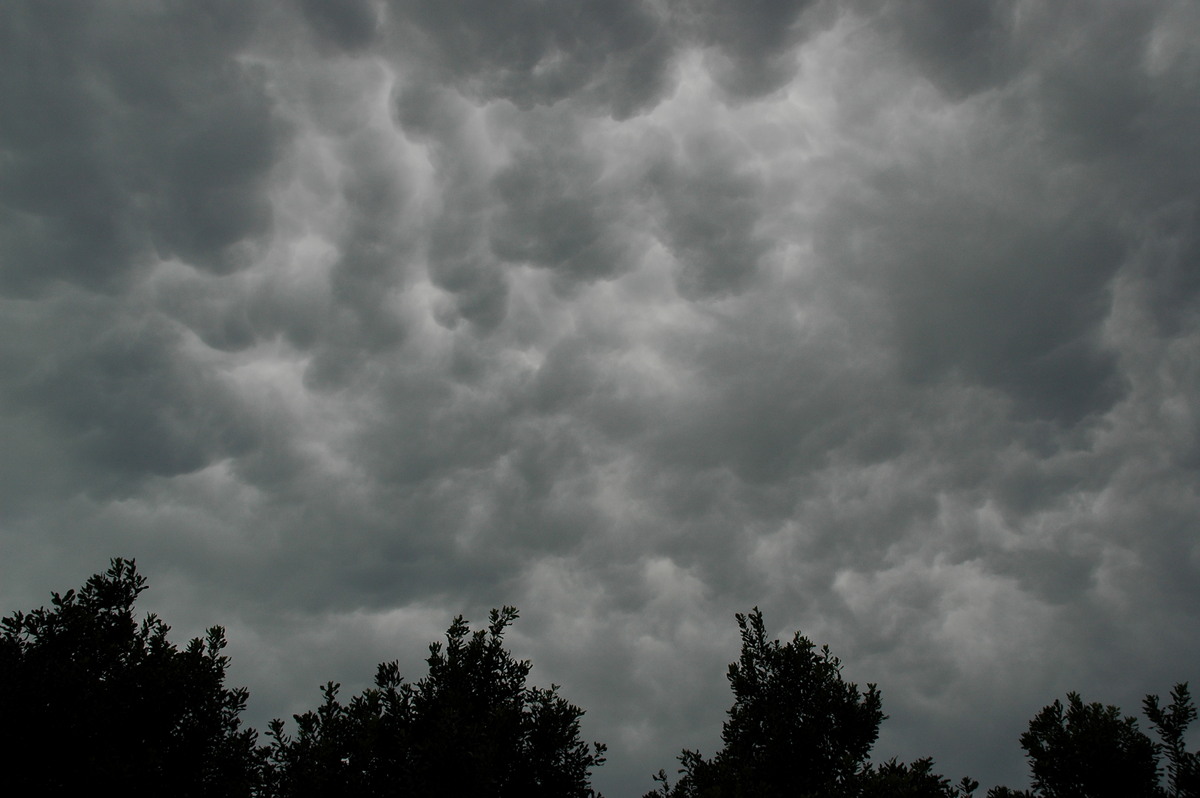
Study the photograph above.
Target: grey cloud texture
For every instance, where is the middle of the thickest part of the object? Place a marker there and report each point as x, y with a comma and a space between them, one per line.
134, 133
344, 318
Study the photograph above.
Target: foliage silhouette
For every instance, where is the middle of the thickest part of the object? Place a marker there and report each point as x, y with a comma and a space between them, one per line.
1092, 751
1171, 723
894, 779
1089, 751
93, 697
796, 728
1008, 792
470, 727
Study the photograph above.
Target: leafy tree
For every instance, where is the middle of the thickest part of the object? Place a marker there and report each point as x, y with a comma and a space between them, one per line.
1171, 723
894, 779
1089, 751
797, 728
793, 712
1006, 792
472, 727
93, 697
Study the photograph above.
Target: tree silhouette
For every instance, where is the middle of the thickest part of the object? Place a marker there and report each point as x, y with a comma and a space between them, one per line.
471, 727
1008, 792
1171, 723
93, 697
894, 779
1089, 751
797, 728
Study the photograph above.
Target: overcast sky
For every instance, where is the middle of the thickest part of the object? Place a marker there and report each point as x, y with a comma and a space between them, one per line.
344, 317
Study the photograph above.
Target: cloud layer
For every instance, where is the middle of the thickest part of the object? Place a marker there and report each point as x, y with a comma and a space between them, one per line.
344, 318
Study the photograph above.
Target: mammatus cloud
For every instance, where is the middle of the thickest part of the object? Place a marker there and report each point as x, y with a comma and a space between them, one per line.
344, 318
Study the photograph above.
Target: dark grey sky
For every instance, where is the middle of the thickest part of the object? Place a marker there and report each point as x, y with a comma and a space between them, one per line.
346, 317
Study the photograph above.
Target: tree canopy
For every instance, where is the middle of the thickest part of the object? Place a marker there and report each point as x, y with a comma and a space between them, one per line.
94, 696
1171, 723
91, 696
1080, 750
797, 728
1089, 750
472, 723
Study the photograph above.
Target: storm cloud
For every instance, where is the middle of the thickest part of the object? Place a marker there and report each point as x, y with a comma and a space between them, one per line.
344, 318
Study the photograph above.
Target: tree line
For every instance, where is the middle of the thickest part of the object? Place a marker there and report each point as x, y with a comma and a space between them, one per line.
92, 696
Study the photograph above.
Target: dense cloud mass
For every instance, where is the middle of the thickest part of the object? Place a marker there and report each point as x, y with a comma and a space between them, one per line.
347, 317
